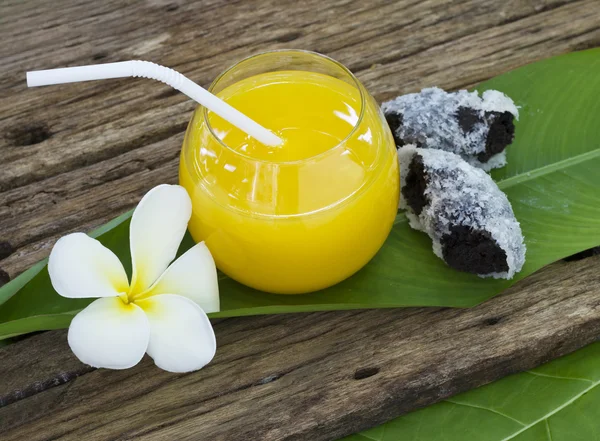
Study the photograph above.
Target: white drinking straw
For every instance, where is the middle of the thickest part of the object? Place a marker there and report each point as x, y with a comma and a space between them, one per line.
146, 69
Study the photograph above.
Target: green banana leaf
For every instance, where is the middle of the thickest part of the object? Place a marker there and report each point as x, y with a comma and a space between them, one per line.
551, 179
559, 401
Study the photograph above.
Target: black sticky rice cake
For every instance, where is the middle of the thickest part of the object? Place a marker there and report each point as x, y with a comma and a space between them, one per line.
469, 219
477, 128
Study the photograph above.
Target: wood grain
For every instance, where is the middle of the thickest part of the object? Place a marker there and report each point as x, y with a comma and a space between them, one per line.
74, 156
313, 376
101, 145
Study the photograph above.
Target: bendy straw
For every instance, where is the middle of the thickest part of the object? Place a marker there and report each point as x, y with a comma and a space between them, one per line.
146, 69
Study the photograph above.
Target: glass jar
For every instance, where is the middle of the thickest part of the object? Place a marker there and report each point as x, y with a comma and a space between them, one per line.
302, 216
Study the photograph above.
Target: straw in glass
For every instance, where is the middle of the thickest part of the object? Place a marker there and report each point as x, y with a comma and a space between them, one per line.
146, 69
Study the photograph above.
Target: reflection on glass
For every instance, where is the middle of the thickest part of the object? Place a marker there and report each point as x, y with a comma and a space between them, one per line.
304, 215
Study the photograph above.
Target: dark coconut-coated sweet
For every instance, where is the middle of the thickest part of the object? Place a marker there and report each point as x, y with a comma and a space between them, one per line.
467, 119
478, 128
464, 249
394, 120
414, 189
469, 220
501, 134
473, 251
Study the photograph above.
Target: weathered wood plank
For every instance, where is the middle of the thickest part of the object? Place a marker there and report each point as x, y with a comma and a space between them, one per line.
307, 376
96, 128
74, 156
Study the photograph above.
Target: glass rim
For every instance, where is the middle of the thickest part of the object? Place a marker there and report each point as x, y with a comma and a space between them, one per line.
347, 71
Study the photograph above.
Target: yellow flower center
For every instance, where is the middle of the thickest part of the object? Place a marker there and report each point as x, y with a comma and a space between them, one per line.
133, 293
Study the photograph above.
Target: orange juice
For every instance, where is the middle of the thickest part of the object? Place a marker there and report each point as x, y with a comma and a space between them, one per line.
306, 214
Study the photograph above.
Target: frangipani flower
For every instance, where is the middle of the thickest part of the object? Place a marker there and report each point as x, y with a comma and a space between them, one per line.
162, 311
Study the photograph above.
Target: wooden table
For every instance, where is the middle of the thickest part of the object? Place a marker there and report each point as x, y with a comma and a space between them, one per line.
73, 157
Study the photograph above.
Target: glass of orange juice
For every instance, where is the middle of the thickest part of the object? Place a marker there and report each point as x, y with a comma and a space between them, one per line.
306, 214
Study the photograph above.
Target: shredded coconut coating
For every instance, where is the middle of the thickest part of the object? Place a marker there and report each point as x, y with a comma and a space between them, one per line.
461, 195
430, 120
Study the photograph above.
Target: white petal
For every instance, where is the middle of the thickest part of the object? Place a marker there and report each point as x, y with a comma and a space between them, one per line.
80, 266
110, 334
157, 227
193, 275
181, 336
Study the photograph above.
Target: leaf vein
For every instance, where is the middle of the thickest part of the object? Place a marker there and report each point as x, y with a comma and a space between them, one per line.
488, 409
548, 430
539, 374
547, 169
555, 411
